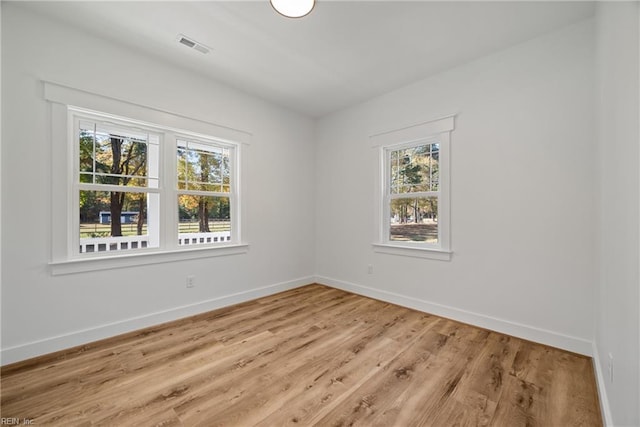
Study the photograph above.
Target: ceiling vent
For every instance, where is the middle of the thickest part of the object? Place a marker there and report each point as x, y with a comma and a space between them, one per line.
182, 39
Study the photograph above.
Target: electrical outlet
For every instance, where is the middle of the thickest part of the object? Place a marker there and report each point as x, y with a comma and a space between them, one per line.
610, 366
191, 281
370, 269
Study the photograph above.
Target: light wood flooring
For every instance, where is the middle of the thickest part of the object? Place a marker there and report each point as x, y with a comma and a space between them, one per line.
309, 356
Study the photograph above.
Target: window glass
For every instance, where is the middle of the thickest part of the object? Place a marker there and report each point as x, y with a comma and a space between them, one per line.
116, 167
203, 219
204, 187
415, 169
414, 219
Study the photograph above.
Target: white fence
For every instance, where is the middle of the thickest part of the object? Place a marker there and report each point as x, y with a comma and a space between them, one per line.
201, 238
110, 244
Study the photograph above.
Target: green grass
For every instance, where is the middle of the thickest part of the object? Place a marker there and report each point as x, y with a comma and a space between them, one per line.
104, 230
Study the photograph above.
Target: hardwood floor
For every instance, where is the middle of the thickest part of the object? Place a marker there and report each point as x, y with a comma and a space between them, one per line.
309, 356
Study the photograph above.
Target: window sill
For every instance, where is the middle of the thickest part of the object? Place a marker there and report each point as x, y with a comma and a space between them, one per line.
72, 266
412, 251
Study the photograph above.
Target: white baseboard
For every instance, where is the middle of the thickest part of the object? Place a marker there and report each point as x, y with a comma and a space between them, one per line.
531, 333
73, 339
61, 342
602, 391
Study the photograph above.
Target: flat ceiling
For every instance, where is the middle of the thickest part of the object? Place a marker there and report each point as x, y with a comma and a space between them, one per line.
343, 53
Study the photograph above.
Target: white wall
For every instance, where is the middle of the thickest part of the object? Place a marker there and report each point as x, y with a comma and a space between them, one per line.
0, 173
42, 313
617, 319
526, 216
523, 220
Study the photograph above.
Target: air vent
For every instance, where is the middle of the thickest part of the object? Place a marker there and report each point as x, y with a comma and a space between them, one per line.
182, 39
185, 41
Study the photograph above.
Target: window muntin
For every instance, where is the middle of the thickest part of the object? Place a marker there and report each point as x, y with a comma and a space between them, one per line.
111, 155
205, 192
415, 169
117, 183
123, 192
203, 166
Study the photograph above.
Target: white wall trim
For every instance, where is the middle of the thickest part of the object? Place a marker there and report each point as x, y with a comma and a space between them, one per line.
61, 342
434, 131
605, 409
531, 333
133, 259
414, 132
98, 102
412, 251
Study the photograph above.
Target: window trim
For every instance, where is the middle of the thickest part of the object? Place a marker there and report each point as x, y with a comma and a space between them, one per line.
234, 177
61, 100
75, 117
138, 258
437, 130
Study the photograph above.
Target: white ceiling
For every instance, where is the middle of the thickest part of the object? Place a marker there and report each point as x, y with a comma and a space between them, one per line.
343, 53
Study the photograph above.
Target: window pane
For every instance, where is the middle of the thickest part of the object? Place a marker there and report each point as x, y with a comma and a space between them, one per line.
115, 156
414, 169
203, 219
203, 167
115, 221
414, 219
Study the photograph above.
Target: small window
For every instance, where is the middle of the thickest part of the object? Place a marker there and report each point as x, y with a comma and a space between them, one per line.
414, 192
205, 193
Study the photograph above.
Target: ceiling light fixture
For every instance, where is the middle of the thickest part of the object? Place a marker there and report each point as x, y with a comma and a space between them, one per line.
293, 8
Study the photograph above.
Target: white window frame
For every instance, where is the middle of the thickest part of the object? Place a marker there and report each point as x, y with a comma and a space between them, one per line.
77, 115
234, 178
65, 256
434, 131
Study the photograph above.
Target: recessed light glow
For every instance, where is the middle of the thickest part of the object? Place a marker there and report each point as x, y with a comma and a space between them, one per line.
293, 8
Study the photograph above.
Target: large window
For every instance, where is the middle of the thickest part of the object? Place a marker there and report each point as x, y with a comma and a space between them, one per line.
414, 190
117, 187
134, 184
127, 199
